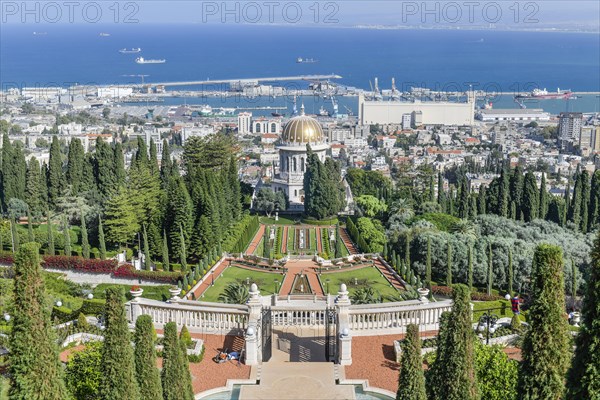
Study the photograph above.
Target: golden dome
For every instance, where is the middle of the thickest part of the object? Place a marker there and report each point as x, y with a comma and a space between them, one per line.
302, 129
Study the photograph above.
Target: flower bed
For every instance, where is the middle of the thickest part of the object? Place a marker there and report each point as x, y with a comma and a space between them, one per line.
80, 264
476, 296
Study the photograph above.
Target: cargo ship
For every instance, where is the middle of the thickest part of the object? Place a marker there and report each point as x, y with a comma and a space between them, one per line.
543, 94
129, 51
301, 60
142, 60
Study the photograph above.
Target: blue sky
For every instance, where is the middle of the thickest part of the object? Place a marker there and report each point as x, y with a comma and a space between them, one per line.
527, 14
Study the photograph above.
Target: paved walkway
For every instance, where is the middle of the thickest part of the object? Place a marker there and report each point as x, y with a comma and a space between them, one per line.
319, 240
294, 267
348, 242
256, 240
208, 281
382, 268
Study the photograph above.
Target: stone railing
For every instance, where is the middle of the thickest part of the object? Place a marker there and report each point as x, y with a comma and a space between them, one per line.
199, 317
392, 318
298, 316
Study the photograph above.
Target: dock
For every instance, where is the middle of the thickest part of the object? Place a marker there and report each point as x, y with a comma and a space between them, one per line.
240, 80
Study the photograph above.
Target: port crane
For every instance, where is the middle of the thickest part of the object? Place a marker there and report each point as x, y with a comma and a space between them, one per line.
395, 94
376, 94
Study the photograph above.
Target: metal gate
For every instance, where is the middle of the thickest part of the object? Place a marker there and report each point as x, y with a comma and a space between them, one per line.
331, 334
267, 334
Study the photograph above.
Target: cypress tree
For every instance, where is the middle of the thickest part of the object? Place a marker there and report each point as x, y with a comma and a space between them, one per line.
55, 173
431, 189
185, 374
407, 240
441, 197
105, 171
470, 268
546, 344
75, 166
173, 383
490, 271
449, 265
148, 376
166, 164
120, 173
182, 252
34, 187
15, 235
594, 208
118, 366
573, 281
481, 206
575, 212
543, 198
20, 171
101, 243
51, 250
85, 244
165, 253
411, 383
463, 202
67, 237
516, 188
510, 272
30, 234
428, 265
504, 199
530, 203
453, 372
33, 359
583, 379
585, 200
8, 172
147, 260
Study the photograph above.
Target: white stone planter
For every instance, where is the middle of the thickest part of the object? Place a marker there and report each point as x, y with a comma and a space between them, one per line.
423, 294
136, 294
576, 318
175, 292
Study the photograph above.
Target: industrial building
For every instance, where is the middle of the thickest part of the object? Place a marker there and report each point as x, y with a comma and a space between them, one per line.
422, 113
534, 114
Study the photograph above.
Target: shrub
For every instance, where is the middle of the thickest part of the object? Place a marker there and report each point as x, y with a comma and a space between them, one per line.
196, 358
128, 271
82, 323
92, 307
62, 314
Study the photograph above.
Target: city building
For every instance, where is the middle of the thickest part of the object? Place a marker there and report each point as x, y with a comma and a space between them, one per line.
569, 129
244, 121
534, 114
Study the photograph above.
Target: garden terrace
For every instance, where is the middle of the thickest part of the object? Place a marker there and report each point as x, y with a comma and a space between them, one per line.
233, 274
359, 278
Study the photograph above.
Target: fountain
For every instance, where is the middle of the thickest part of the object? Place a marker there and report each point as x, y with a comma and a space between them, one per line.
301, 284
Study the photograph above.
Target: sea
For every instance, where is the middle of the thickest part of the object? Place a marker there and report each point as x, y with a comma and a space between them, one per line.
494, 61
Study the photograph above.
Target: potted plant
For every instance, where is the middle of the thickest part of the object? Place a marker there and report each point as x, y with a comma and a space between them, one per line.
175, 291
136, 291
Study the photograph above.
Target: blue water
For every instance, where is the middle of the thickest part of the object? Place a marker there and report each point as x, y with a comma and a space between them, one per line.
506, 61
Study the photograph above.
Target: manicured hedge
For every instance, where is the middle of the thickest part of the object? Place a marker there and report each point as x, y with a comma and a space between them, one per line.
320, 222
128, 271
92, 306
80, 264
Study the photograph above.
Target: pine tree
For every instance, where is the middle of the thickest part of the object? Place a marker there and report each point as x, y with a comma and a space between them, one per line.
165, 253
119, 157
148, 376
182, 252
121, 219
453, 372
101, 243
67, 237
411, 383
33, 359
118, 366
105, 171
85, 244
173, 383
449, 265
583, 379
14, 235
55, 173
51, 249
546, 345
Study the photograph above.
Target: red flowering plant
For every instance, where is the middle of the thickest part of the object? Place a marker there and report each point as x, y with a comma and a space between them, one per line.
135, 288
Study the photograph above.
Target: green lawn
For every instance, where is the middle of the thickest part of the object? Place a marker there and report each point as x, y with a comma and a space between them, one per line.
313, 238
264, 280
291, 238
501, 308
366, 277
281, 221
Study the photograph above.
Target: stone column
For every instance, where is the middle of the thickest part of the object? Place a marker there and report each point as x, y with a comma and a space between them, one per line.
344, 338
252, 346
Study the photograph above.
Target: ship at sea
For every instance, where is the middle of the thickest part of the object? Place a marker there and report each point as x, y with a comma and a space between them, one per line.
130, 51
103, 34
301, 60
543, 94
142, 60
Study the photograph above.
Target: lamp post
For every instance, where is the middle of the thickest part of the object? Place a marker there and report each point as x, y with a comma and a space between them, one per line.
276, 285
247, 280
488, 322
212, 275
327, 283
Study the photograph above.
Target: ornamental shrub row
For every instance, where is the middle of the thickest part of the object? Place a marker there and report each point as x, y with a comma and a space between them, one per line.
128, 271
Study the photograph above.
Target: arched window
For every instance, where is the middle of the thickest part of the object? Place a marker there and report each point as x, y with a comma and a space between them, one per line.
295, 167
302, 164
273, 127
295, 193
257, 128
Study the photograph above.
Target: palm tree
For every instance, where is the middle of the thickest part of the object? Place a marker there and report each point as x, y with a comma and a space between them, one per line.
234, 293
466, 228
365, 296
